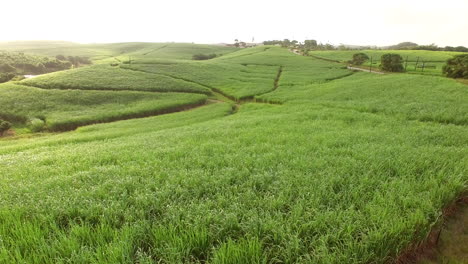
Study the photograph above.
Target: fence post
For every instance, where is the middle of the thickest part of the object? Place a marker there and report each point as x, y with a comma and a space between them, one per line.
370, 69
416, 66
423, 66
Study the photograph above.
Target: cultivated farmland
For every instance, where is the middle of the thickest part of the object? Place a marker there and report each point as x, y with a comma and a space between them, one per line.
292, 159
418, 61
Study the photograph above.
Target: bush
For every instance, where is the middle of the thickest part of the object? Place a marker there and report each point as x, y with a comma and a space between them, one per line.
5, 77
391, 62
7, 68
37, 125
4, 127
203, 56
457, 67
359, 58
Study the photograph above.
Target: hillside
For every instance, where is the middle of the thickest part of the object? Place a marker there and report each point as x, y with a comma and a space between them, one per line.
417, 61
291, 159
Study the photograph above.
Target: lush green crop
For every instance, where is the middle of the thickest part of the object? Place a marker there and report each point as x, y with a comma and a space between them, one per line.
346, 170
106, 52
413, 55
105, 77
235, 80
65, 110
432, 61
178, 51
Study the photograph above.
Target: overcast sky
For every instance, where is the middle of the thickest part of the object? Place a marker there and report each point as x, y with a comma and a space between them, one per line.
364, 22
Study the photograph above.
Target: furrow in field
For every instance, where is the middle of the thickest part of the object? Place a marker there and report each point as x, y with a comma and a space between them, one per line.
215, 90
160, 48
114, 89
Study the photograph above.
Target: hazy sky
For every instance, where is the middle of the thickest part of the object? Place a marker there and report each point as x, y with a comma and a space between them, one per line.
365, 22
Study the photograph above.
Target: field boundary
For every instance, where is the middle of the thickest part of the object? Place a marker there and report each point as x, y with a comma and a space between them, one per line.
425, 249
74, 125
160, 48
244, 99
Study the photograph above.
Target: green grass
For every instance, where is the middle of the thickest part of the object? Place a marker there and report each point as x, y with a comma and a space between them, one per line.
346, 170
235, 80
106, 77
57, 110
411, 97
177, 51
434, 60
106, 52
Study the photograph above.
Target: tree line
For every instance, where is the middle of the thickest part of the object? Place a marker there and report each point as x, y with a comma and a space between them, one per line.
433, 47
456, 67
15, 65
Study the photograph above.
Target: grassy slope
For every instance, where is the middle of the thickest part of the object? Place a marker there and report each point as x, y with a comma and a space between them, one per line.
232, 79
178, 51
64, 110
105, 52
248, 72
309, 181
435, 60
105, 77
413, 97
424, 55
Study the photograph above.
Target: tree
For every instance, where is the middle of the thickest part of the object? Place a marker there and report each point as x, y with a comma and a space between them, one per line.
391, 62
286, 43
461, 49
7, 68
457, 67
4, 127
5, 77
359, 58
236, 43
404, 46
203, 56
310, 44
60, 57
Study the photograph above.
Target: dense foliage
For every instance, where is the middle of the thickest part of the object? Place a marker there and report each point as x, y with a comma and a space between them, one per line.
391, 62
348, 168
4, 126
21, 63
105, 77
58, 110
17, 64
457, 67
203, 56
359, 58
432, 47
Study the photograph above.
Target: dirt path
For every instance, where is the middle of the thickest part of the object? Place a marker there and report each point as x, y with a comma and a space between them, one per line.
364, 70
349, 67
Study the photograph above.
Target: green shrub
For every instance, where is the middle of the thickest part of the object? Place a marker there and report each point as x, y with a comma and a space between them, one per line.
359, 58
36, 125
5, 77
457, 67
7, 68
391, 62
203, 56
4, 127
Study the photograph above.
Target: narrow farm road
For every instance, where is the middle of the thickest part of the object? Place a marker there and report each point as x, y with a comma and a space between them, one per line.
364, 70
349, 67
